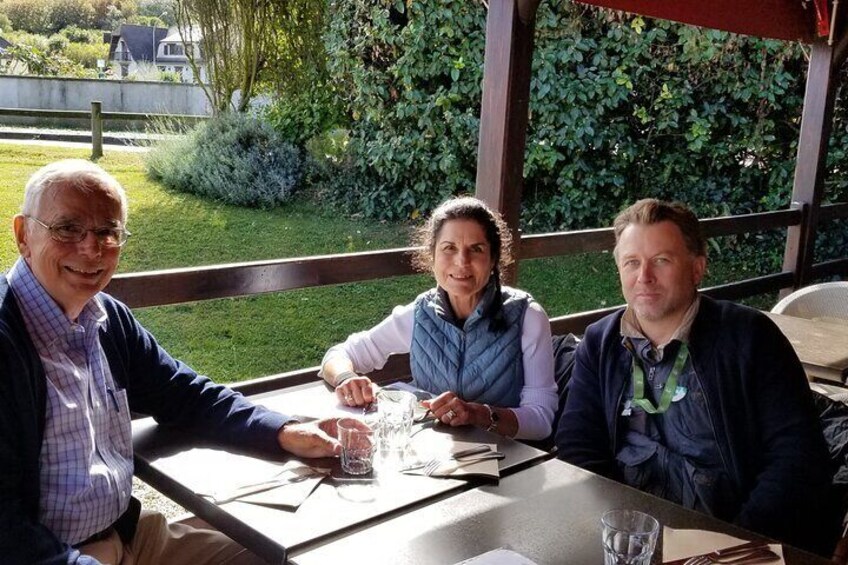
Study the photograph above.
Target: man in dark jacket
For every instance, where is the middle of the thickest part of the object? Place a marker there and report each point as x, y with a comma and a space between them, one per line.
698, 401
75, 364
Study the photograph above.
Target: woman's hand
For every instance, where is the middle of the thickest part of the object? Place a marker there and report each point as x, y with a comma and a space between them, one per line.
452, 410
356, 391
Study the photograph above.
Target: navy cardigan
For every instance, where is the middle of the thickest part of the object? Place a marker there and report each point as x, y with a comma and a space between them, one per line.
156, 384
760, 404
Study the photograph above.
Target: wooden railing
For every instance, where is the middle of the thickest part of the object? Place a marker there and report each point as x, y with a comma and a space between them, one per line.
176, 286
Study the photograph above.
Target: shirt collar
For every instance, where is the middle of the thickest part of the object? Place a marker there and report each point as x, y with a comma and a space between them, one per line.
630, 327
44, 318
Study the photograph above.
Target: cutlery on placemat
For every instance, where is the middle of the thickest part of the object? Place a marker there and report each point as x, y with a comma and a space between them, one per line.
286, 477
459, 455
747, 553
436, 466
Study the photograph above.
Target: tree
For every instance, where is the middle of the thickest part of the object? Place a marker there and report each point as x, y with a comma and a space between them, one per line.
109, 14
233, 38
162, 10
71, 12
241, 39
28, 15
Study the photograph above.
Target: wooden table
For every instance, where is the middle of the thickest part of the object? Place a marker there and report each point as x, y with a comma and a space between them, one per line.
822, 346
166, 461
549, 513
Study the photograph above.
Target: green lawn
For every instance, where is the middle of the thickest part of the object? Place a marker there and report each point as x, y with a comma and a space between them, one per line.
238, 339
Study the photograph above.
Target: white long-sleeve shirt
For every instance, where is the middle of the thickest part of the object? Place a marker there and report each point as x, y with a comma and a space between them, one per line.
369, 350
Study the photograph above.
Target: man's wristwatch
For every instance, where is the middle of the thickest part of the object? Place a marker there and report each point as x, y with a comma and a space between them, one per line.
494, 419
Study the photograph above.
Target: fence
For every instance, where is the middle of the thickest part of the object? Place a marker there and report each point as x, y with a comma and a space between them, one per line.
97, 116
176, 286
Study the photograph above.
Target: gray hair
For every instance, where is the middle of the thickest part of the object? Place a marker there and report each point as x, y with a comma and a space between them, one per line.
77, 174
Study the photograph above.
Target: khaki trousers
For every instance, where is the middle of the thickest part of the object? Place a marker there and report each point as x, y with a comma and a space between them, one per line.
157, 542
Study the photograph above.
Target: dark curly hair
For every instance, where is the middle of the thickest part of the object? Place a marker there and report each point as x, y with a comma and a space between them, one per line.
497, 236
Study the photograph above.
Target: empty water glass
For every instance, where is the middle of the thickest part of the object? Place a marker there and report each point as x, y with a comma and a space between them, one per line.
357, 440
629, 537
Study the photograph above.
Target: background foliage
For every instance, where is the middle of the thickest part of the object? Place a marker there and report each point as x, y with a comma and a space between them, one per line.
621, 108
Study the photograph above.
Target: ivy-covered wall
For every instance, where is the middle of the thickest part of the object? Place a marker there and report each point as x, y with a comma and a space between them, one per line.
621, 108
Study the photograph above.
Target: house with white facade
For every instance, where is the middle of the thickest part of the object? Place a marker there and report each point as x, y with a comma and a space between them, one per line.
171, 56
134, 48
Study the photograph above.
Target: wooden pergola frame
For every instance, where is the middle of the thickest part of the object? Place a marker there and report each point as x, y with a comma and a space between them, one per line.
505, 110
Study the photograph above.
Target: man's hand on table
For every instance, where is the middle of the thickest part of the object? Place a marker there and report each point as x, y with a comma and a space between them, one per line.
311, 439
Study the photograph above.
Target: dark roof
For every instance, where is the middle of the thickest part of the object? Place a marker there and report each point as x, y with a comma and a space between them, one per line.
4, 43
139, 40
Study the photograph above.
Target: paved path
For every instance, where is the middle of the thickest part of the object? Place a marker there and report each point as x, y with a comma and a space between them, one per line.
122, 141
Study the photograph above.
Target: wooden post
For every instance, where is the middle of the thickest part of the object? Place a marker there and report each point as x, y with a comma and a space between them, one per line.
810, 167
504, 110
96, 130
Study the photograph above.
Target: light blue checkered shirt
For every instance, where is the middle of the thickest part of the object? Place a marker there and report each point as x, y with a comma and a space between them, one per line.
86, 461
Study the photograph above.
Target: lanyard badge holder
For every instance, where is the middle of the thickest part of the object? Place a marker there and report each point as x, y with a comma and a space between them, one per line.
669, 393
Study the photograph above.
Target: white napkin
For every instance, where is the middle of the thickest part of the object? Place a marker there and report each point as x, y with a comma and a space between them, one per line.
500, 556
457, 469
682, 544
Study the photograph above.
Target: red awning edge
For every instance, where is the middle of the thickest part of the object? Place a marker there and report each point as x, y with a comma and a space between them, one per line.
791, 20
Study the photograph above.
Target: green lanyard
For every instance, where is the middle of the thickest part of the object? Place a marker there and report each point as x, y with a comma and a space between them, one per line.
670, 384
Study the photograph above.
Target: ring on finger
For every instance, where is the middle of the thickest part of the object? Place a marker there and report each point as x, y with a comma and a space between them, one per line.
348, 397
450, 414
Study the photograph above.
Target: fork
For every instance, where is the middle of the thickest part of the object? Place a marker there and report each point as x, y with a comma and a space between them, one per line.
434, 465
756, 552
475, 450
285, 477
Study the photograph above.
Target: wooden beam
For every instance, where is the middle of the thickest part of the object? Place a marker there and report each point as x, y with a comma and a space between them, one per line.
840, 38
603, 239
505, 107
810, 167
175, 286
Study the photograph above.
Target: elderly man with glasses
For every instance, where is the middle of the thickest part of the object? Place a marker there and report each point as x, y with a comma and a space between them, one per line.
75, 364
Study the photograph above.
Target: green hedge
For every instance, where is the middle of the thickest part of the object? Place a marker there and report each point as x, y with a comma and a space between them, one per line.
621, 107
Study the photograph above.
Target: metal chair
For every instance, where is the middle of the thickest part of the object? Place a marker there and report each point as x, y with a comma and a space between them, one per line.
825, 301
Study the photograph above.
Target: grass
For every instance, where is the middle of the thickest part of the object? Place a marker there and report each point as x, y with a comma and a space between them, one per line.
237, 339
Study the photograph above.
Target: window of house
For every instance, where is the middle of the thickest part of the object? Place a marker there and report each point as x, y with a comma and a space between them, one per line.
174, 49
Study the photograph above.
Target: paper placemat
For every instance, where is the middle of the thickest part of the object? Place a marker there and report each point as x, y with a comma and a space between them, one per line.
682, 544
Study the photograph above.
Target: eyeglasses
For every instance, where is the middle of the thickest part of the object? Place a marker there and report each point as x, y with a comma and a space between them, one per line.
75, 233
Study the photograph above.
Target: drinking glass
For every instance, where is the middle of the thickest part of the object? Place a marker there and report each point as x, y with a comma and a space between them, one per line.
357, 440
395, 413
629, 537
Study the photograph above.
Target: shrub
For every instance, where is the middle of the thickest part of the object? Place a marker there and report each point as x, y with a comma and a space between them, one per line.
299, 116
170, 76
76, 34
57, 43
5, 23
233, 158
87, 54
621, 108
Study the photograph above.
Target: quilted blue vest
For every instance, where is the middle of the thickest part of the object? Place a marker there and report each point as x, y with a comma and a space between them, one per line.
474, 362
